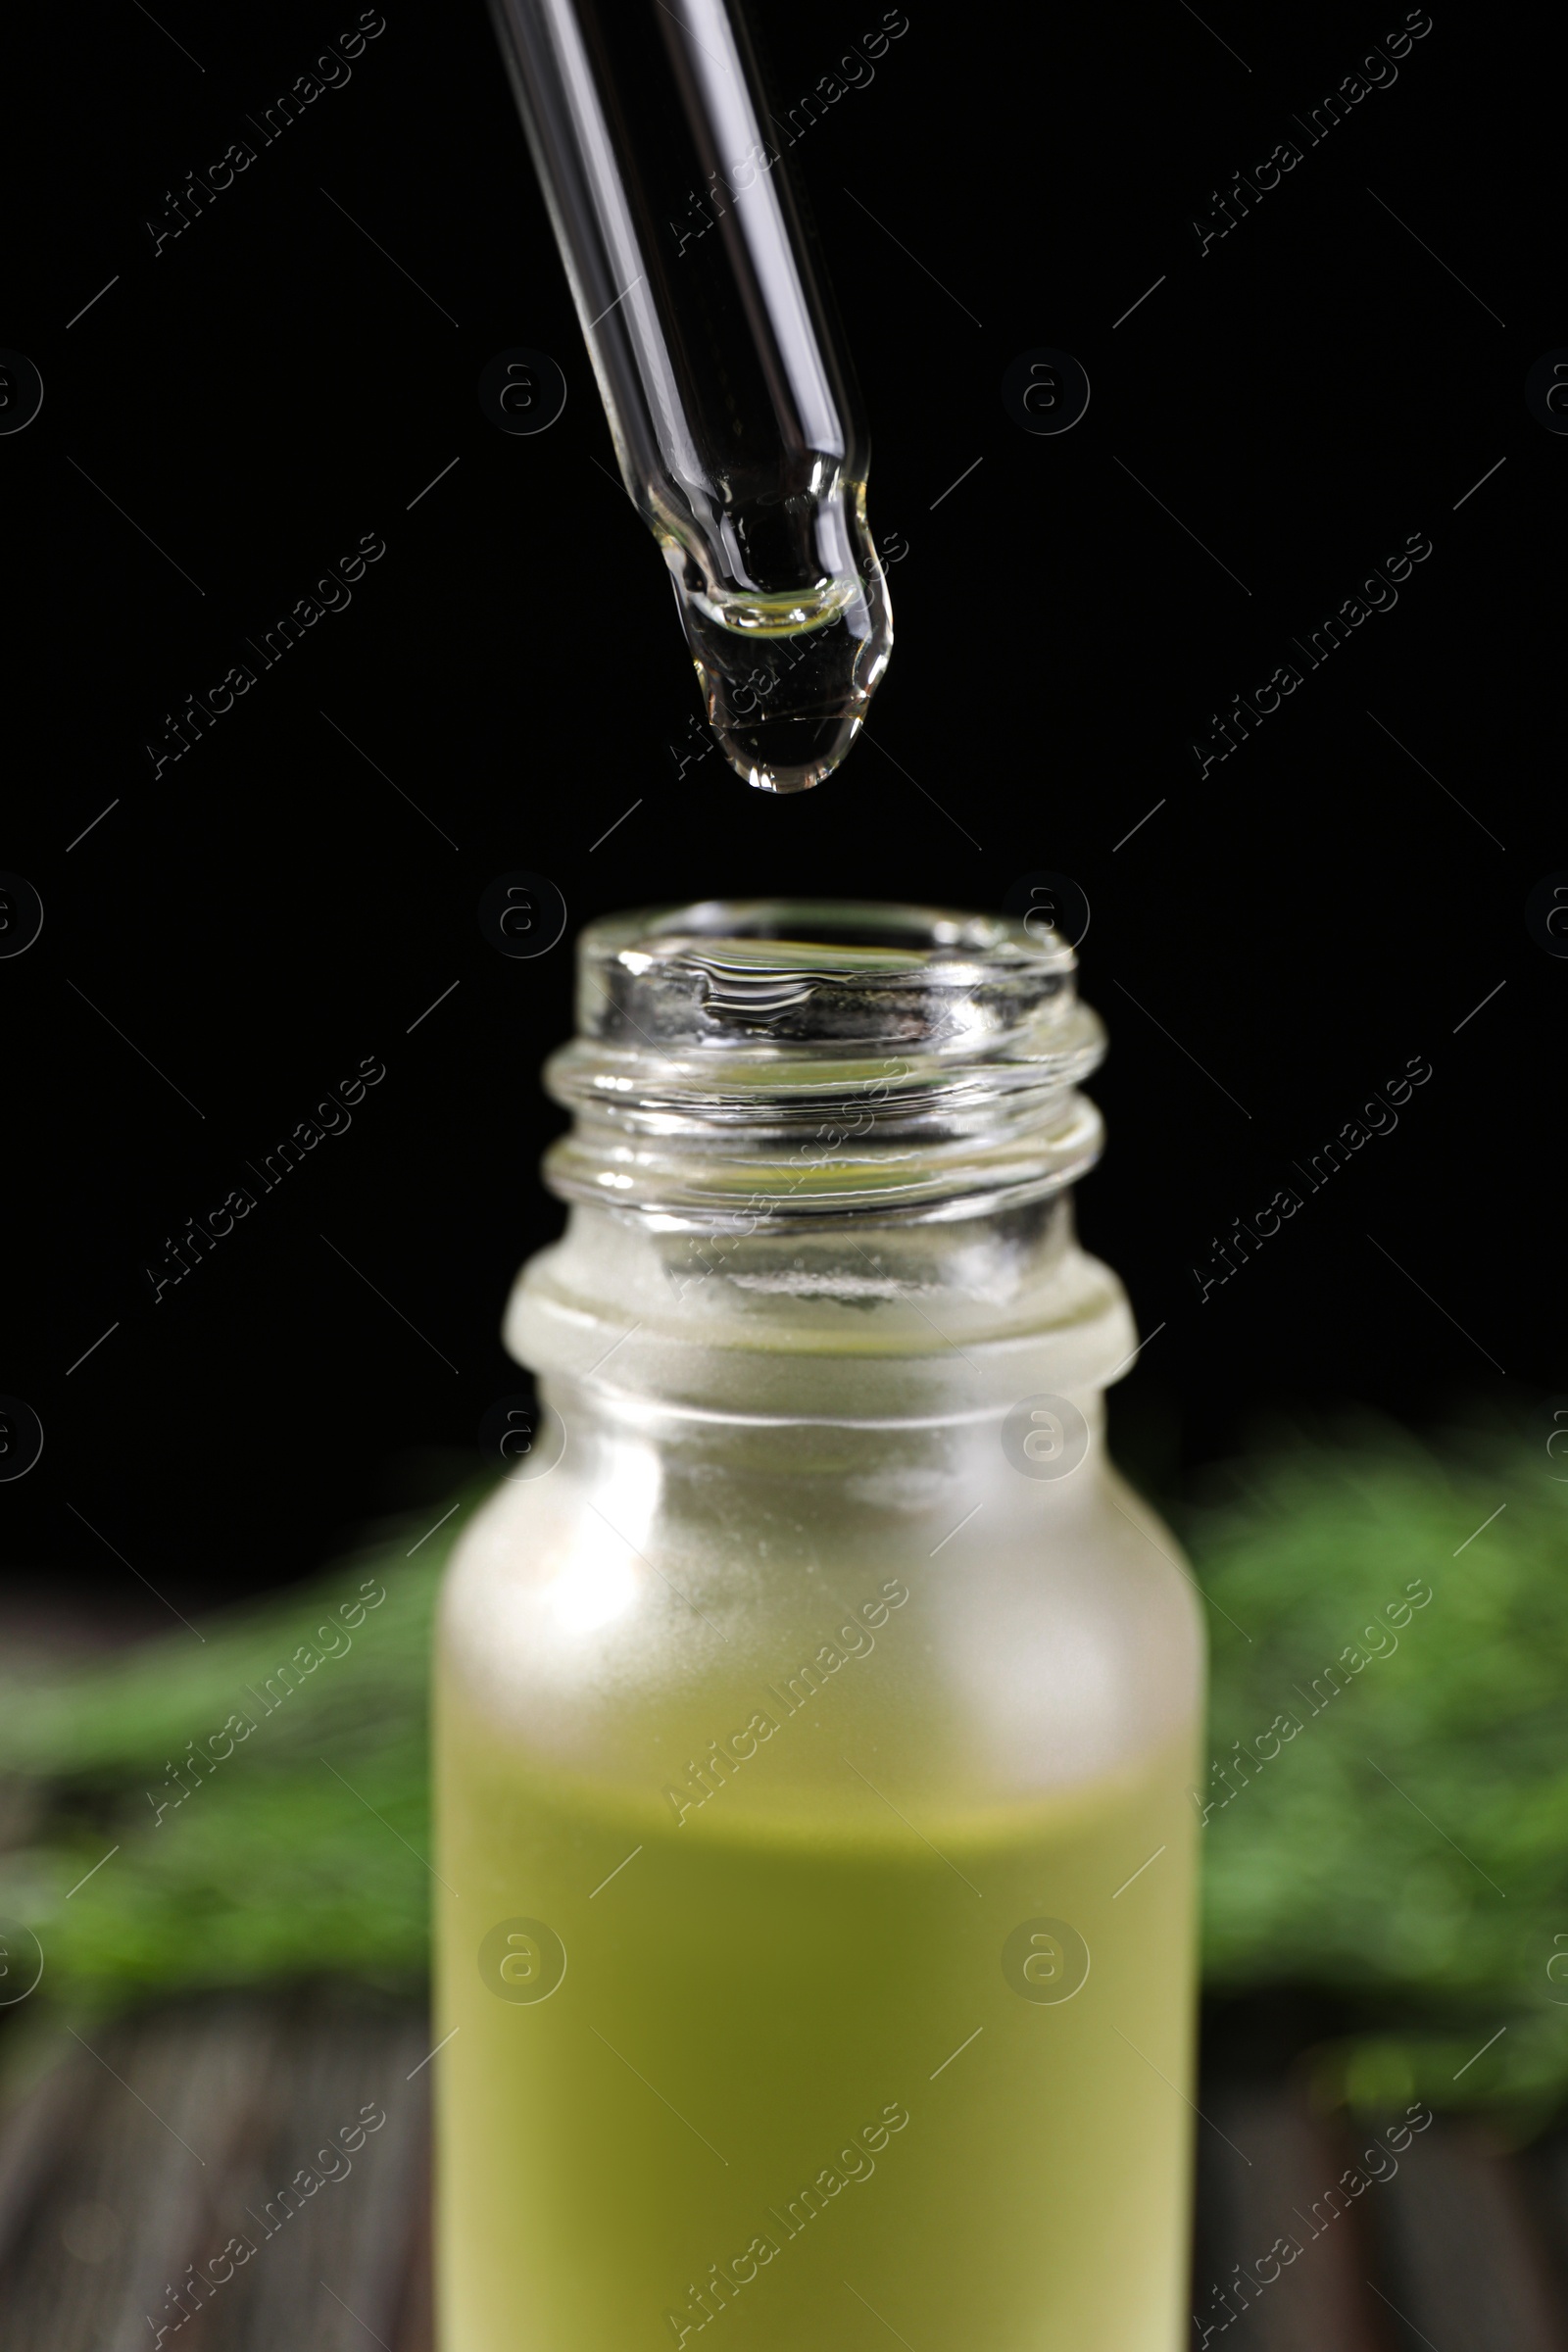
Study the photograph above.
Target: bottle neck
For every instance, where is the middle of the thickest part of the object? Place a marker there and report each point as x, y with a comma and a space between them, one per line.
824, 1181
861, 1322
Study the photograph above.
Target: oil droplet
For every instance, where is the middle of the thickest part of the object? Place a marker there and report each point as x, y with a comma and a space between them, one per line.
787, 679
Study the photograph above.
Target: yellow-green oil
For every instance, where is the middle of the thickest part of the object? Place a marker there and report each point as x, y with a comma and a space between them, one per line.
806, 2077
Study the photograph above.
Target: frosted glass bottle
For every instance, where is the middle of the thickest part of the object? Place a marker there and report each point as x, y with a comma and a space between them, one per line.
816, 1706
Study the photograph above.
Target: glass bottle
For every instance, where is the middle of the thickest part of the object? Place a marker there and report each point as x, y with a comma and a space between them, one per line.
817, 1707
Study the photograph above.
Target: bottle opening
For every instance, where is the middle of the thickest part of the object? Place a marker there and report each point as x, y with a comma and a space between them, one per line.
830, 922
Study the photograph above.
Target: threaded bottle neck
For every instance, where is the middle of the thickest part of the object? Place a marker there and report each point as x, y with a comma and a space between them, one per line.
783, 1063
818, 1166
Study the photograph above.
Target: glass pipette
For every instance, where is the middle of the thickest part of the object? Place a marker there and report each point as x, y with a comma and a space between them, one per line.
729, 403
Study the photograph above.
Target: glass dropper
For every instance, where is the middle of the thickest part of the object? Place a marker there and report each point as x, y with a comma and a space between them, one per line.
711, 334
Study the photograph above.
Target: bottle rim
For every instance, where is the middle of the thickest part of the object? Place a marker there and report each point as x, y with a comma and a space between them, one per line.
775, 1060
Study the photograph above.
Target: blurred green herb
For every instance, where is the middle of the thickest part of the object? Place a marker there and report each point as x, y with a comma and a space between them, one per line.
1386, 1785
1405, 1848
254, 1866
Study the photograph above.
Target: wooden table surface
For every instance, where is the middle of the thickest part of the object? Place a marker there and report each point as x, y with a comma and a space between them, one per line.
134, 2160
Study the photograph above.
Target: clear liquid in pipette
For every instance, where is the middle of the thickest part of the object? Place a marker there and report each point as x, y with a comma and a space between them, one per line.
787, 680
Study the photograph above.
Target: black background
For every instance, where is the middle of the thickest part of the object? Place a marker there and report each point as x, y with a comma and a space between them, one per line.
1278, 939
